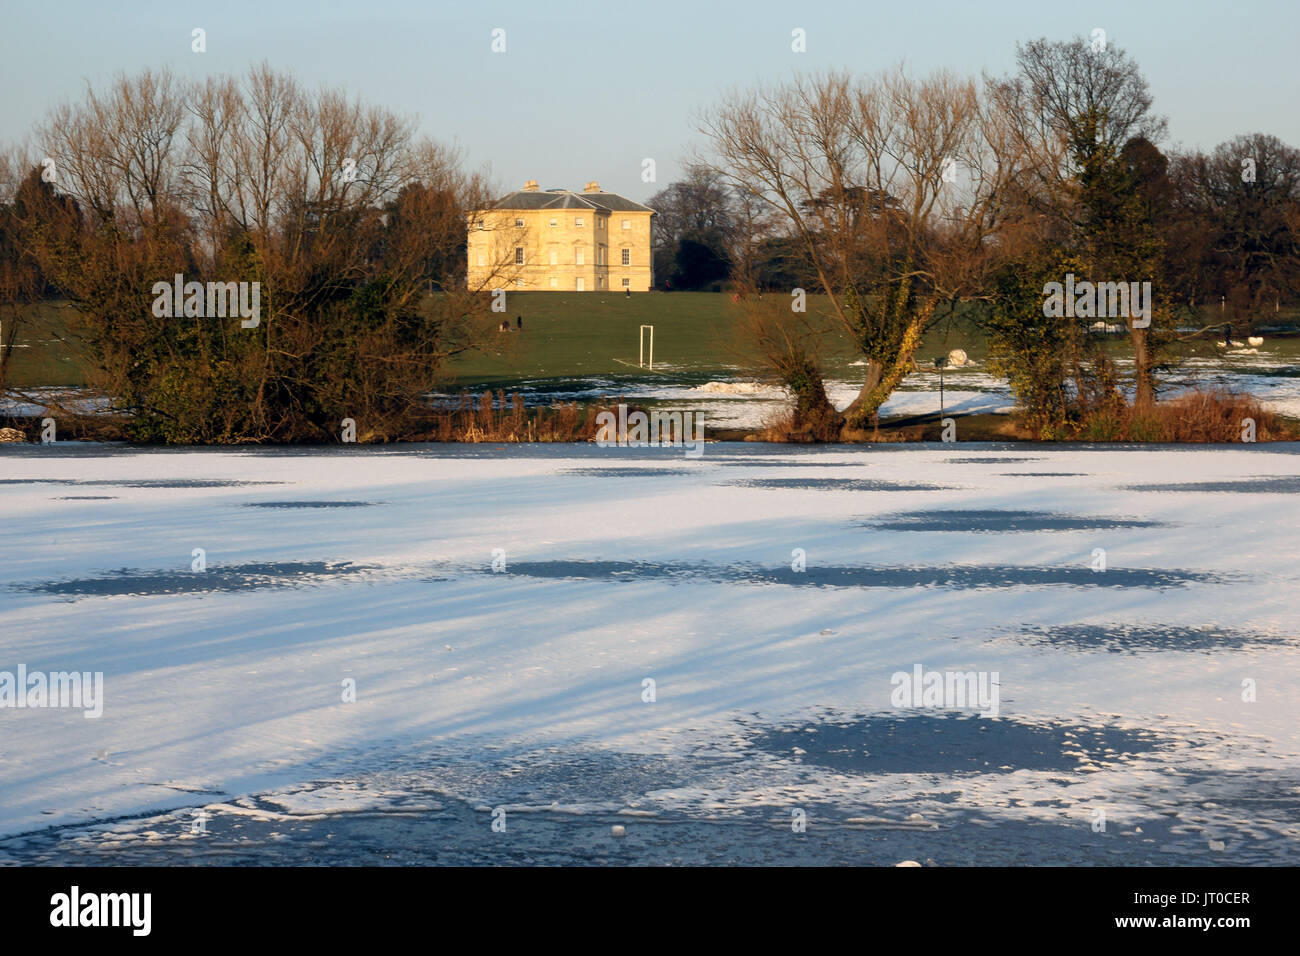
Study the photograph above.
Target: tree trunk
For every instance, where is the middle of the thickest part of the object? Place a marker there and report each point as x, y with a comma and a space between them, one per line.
815, 418
1144, 381
882, 380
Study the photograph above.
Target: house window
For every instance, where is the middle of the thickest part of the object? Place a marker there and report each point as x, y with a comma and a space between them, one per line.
627, 283
519, 255
600, 255
627, 223
555, 283
482, 258
555, 222
627, 257
579, 286
600, 222
520, 222
581, 256
577, 221
600, 282
555, 257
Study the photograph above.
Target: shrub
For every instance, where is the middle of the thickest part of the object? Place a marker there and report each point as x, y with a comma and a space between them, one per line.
1199, 415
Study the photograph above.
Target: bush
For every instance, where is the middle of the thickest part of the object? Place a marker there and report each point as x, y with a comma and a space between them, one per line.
501, 419
1200, 415
360, 293
1055, 370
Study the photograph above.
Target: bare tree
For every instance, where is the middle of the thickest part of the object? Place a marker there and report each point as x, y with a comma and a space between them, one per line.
1236, 213
699, 209
333, 208
755, 221
895, 188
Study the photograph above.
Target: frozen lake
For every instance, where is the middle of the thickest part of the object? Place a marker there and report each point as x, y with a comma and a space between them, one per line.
380, 653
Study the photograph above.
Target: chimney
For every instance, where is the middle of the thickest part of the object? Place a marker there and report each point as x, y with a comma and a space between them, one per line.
591, 187
530, 186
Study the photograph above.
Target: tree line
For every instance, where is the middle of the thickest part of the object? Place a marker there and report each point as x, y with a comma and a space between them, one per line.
900, 200
904, 199
343, 219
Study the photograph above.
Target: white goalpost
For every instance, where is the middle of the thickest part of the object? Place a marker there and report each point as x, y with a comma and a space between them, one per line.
641, 349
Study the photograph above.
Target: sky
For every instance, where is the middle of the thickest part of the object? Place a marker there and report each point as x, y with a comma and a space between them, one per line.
587, 91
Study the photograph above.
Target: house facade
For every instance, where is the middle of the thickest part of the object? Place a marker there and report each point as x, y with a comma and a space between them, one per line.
557, 240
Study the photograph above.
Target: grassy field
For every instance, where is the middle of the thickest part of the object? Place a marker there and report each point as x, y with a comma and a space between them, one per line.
583, 335
566, 337
571, 337
42, 354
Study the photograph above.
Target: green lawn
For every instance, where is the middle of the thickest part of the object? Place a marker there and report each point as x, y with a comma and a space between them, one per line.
579, 337
587, 335
42, 354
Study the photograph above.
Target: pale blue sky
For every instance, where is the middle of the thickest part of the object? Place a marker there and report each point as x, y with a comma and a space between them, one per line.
586, 90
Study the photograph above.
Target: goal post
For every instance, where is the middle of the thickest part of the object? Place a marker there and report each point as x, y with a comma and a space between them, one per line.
641, 347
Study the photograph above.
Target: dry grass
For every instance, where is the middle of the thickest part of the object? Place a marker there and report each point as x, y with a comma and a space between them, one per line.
1198, 416
779, 426
489, 417
502, 418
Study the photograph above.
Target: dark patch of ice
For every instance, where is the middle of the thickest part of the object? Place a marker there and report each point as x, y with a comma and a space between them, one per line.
960, 576
990, 460
838, 484
624, 472
255, 576
141, 482
948, 743
426, 811
1282, 485
977, 520
310, 504
761, 463
183, 483
1121, 638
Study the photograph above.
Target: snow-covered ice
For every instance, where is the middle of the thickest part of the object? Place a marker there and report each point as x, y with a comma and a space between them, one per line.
1123, 692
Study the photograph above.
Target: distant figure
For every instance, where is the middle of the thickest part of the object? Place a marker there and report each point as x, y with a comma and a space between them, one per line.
505, 326
668, 285
519, 322
628, 292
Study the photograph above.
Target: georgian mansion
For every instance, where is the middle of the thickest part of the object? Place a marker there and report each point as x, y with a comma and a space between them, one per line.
558, 240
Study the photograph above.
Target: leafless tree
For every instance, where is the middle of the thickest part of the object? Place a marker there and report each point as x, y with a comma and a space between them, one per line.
897, 189
336, 209
1236, 215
